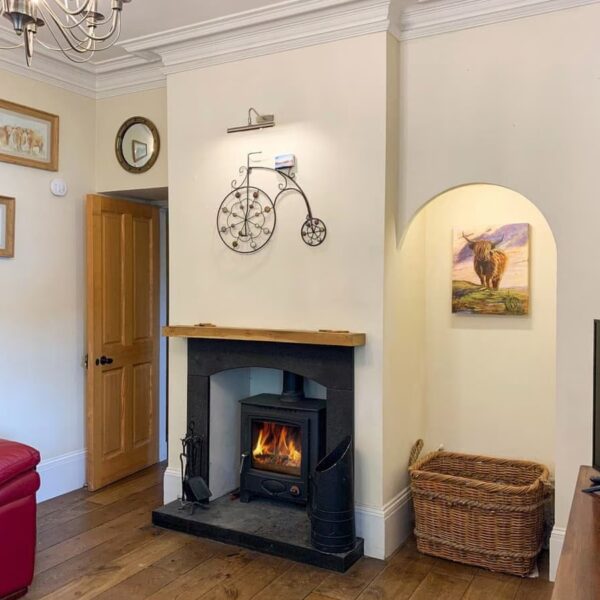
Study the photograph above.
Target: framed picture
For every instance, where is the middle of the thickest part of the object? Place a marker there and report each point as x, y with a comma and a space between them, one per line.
490, 270
28, 137
7, 227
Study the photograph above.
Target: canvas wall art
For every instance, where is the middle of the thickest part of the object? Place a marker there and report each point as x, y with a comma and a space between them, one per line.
28, 137
490, 272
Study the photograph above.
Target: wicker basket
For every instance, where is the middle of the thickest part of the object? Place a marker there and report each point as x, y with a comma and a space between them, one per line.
482, 511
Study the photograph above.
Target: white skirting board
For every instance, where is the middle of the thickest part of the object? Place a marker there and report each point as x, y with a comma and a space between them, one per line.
171, 485
383, 529
61, 475
557, 540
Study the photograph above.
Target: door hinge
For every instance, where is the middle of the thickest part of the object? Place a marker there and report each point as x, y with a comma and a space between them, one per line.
86, 361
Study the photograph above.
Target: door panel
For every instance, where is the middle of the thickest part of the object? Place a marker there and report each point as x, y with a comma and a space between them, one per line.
112, 255
113, 424
123, 338
142, 411
142, 273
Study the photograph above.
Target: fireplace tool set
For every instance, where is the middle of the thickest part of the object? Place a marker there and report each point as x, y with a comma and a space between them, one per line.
194, 491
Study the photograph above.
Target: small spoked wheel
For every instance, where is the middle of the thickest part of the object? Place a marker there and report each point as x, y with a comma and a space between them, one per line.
313, 231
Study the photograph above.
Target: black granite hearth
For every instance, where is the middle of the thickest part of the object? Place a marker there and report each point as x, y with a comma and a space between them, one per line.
263, 525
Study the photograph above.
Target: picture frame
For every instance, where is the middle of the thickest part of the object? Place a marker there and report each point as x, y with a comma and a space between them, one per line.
28, 137
7, 227
490, 269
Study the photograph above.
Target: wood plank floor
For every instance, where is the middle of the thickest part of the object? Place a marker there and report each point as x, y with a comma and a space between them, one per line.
102, 545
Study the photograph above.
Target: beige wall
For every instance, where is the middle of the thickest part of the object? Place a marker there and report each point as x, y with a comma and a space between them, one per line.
331, 114
524, 115
404, 316
42, 289
111, 114
405, 360
490, 380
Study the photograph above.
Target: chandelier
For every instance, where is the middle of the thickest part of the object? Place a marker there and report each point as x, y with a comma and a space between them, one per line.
76, 27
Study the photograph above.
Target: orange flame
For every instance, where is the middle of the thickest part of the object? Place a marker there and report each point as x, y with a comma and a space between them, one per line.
277, 448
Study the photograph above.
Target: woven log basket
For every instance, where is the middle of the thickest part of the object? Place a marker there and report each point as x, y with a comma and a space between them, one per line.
482, 511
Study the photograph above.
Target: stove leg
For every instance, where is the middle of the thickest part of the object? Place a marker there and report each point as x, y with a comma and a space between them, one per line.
245, 497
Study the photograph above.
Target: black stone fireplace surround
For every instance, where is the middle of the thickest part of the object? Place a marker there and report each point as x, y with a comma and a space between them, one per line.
265, 525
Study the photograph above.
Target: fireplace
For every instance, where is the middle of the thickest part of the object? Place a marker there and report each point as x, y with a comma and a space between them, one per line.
282, 439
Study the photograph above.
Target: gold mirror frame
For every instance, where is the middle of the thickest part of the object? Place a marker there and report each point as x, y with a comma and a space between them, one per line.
119, 144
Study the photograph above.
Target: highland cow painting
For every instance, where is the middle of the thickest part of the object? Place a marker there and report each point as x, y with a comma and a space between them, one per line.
490, 273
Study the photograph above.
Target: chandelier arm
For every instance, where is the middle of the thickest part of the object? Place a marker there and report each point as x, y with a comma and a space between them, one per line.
113, 19
115, 29
81, 23
75, 48
60, 48
66, 51
76, 25
82, 43
84, 8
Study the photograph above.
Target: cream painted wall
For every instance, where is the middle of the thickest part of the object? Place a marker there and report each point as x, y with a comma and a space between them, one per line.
111, 114
405, 360
524, 115
490, 385
404, 315
331, 114
42, 292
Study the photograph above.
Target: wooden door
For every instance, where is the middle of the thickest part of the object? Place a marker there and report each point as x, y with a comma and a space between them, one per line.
123, 338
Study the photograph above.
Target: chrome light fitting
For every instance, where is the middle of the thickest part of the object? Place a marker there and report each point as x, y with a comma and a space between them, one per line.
260, 122
77, 27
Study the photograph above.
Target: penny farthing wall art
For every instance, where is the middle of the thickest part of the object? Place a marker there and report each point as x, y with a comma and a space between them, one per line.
247, 216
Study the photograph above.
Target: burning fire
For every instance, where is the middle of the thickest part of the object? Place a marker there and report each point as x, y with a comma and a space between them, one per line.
277, 448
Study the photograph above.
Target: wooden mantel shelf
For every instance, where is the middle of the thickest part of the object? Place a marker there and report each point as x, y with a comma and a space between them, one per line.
282, 336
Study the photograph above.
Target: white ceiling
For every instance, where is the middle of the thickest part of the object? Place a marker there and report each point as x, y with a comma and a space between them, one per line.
147, 17
144, 17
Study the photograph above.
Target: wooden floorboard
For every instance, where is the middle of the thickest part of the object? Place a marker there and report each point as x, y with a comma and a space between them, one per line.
102, 546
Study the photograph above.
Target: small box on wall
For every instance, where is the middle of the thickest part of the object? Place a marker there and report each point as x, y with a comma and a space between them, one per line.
285, 161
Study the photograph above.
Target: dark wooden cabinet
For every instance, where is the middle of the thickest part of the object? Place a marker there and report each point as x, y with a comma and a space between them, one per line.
578, 576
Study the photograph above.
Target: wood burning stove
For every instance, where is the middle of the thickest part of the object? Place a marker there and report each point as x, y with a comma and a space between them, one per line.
282, 440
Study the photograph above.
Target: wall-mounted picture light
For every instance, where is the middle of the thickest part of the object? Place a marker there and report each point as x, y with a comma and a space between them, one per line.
260, 122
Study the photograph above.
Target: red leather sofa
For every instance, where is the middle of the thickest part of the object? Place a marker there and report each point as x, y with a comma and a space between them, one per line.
19, 481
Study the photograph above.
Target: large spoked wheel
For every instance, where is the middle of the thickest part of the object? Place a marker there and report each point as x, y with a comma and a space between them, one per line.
246, 220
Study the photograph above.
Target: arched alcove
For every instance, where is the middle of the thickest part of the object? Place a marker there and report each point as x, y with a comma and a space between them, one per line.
483, 384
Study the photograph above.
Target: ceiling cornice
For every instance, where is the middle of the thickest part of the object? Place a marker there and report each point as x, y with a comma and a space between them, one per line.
435, 17
275, 28
286, 27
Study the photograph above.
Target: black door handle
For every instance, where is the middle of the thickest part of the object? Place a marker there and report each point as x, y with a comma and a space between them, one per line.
104, 360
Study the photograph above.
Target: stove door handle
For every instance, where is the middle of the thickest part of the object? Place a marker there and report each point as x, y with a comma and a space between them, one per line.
245, 457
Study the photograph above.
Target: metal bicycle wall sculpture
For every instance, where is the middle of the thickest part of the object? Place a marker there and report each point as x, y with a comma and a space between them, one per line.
247, 216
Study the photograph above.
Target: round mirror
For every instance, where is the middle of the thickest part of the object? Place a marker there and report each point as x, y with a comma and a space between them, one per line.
137, 145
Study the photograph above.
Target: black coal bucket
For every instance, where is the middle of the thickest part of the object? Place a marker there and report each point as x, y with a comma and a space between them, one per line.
332, 501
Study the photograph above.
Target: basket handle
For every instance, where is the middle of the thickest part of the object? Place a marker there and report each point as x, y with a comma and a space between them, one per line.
548, 489
415, 452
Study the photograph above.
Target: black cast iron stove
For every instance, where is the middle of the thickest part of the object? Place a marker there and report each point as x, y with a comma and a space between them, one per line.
282, 440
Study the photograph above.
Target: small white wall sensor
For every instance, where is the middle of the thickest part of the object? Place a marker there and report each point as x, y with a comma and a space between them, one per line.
58, 187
